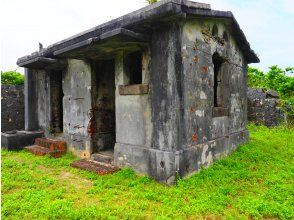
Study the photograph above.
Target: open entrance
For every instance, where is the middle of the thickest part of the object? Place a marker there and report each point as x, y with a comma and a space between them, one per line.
104, 106
56, 102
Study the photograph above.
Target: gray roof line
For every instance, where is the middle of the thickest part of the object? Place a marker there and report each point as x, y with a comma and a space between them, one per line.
134, 13
161, 8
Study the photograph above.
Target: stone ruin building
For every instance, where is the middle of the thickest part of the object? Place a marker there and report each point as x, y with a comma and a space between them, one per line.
161, 90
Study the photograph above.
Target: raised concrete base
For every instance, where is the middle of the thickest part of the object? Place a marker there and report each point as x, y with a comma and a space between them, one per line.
17, 140
164, 166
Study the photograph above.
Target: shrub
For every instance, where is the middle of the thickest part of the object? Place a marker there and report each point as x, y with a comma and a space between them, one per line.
12, 78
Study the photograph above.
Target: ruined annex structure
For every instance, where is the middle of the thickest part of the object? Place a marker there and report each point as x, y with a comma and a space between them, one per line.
162, 89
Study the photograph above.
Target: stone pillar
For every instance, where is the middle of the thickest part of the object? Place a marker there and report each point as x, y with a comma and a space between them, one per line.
31, 117
121, 78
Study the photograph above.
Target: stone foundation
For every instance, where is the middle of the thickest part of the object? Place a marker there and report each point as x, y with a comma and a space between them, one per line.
163, 165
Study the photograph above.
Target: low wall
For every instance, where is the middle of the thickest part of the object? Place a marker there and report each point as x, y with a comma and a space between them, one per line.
263, 107
12, 107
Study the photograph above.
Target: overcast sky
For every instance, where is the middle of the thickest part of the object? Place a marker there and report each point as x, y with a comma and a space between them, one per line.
267, 24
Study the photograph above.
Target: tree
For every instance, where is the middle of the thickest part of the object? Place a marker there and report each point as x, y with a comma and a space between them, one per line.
12, 78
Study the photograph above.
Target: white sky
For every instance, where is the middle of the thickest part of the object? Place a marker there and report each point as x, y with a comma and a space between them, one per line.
267, 24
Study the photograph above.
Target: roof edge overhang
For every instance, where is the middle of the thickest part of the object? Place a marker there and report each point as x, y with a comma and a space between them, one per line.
238, 34
43, 63
119, 32
121, 26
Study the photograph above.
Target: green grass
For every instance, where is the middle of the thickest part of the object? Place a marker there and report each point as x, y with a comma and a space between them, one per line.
256, 181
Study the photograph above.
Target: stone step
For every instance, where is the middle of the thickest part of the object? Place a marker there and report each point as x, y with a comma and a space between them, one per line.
41, 151
94, 166
103, 157
52, 144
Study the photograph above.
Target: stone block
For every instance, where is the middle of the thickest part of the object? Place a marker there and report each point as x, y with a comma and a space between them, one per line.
19, 139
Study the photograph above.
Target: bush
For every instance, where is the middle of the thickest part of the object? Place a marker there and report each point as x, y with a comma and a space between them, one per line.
12, 78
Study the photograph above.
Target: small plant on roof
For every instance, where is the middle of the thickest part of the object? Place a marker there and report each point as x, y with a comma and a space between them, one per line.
150, 2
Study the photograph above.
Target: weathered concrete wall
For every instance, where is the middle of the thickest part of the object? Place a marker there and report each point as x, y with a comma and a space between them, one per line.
132, 111
207, 136
166, 87
12, 108
76, 106
263, 107
185, 133
133, 119
166, 69
150, 124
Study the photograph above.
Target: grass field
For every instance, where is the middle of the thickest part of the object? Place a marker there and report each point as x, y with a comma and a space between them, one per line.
256, 181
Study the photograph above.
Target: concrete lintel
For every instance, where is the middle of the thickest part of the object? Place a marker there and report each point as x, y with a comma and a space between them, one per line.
123, 32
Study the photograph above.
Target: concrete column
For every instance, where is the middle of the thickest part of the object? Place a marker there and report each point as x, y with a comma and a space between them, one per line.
121, 77
31, 117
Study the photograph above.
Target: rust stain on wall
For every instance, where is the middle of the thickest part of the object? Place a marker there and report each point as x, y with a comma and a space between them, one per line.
195, 137
195, 59
91, 129
203, 69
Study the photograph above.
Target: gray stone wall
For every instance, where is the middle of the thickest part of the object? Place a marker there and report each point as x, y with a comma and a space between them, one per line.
12, 107
263, 107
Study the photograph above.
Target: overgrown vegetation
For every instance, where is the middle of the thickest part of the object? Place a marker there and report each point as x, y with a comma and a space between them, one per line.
256, 181
278, 79
12, 78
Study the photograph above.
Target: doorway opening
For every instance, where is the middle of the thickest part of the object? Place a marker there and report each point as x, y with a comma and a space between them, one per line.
56, 100
104, 105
